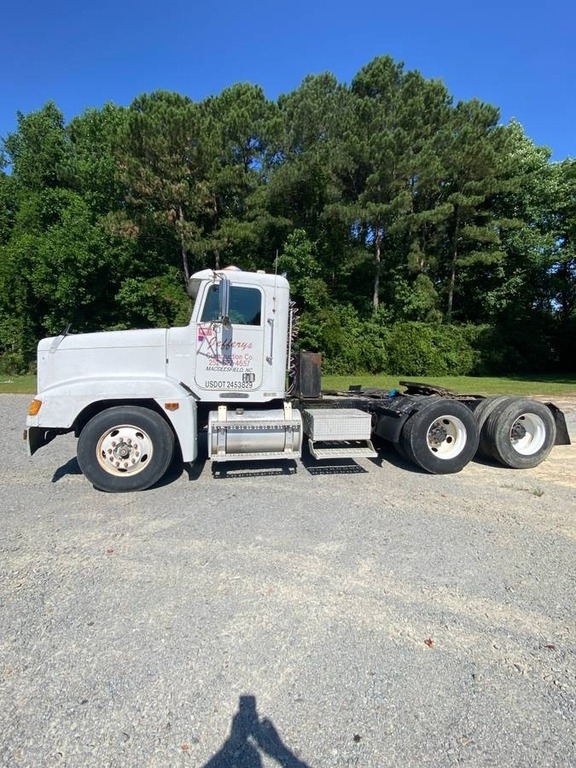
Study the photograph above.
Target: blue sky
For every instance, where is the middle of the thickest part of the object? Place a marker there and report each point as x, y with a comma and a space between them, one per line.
519, 56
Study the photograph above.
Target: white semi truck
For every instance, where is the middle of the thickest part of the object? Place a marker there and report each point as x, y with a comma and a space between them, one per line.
136, 399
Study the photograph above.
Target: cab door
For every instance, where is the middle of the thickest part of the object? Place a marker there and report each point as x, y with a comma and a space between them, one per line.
229, 355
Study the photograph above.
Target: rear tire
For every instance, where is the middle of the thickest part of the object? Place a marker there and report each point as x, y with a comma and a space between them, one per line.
126, 448
399, 448
520, 433
441, 438
482, 413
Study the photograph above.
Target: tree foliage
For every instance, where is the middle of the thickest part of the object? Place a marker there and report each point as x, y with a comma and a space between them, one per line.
419, 235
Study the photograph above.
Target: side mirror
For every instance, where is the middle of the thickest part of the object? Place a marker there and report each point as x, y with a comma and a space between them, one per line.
224, 294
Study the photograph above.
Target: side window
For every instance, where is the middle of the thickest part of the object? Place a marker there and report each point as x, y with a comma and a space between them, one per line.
212, 306
245, 306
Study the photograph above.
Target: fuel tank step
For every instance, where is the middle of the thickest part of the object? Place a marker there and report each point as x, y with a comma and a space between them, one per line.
338, 433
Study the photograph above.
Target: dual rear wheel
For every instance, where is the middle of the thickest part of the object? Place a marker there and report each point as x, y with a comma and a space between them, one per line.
444, 435
518, 433
441, 438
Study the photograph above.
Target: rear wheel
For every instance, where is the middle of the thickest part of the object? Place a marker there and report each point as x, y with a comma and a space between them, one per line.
126, 448
441, 438
482, 414
520, 433
400, 450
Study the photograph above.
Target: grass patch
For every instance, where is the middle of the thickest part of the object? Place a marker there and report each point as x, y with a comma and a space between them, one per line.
541, 385
552, 385
17, 385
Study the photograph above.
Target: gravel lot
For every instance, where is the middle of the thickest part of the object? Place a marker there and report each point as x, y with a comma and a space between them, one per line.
304, 616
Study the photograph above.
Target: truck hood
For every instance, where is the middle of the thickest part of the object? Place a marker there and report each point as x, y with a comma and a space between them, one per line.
107, 354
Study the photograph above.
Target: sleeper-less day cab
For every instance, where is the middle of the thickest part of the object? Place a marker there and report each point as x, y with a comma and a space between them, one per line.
136, 399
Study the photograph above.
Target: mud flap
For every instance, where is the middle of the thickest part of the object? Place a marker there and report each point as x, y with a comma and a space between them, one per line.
562, 436
37, 437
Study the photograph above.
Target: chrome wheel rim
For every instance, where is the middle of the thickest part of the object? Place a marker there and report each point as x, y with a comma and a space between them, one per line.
124, 450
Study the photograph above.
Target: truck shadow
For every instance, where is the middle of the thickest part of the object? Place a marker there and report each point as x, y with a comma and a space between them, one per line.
331, 466
177, 468
387, 454
271, 467
69, 468
250, 738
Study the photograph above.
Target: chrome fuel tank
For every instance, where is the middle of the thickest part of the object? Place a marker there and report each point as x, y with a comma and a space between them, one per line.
247, 435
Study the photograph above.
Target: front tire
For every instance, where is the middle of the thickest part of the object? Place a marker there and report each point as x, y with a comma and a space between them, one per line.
125, 448
441, 438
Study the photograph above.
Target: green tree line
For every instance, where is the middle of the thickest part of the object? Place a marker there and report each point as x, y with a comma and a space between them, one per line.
420, 236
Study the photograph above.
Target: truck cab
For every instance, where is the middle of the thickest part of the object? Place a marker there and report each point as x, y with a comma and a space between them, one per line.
135, 399
132, 396
235, 347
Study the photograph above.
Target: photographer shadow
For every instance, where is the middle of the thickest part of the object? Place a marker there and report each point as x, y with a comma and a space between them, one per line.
251, 737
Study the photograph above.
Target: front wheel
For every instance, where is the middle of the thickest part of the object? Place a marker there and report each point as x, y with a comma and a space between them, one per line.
441, 438
126, 448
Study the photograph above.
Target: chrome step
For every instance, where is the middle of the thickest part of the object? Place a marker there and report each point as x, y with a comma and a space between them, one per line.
342, 450
256, 456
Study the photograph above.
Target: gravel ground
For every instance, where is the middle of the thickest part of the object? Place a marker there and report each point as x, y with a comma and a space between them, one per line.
303, 616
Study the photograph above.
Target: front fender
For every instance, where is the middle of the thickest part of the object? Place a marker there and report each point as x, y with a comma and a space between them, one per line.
62, 406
